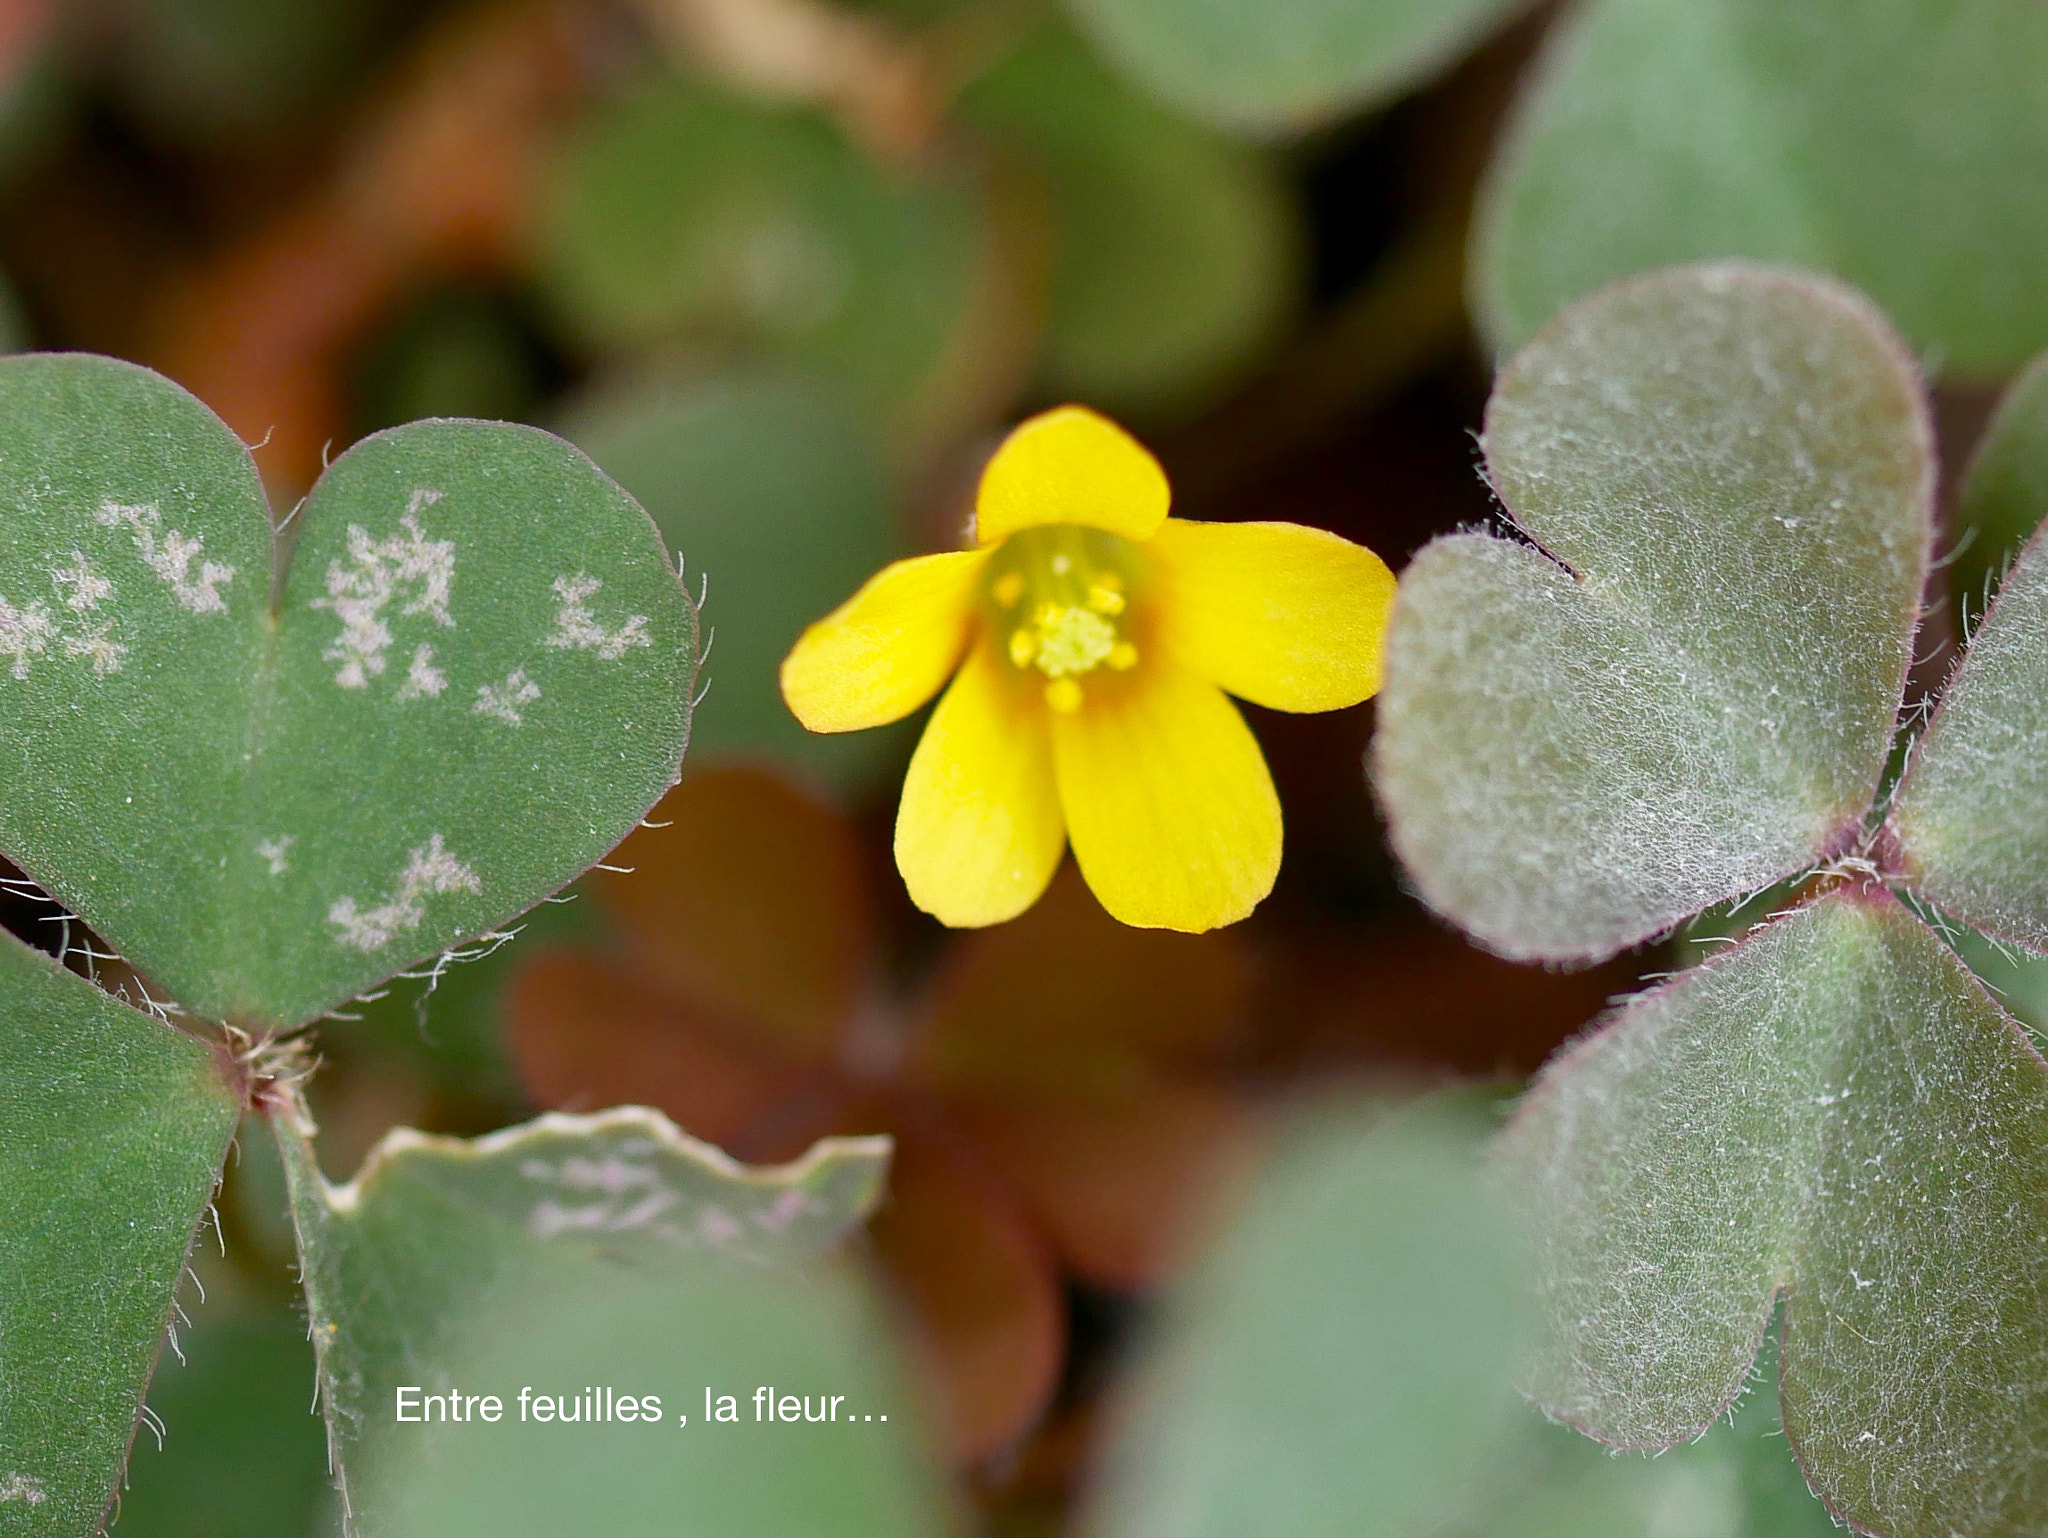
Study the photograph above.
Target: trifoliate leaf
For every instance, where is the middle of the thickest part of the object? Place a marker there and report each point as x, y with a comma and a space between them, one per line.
1833, 1110
1686, 688
435, 1233
1895, 143
113, 1127
271, 790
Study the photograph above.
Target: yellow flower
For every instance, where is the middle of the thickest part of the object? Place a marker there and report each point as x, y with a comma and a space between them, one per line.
1091, 640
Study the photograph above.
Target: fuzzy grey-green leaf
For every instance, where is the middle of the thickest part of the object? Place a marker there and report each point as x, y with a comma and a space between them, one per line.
434, 1230
1687, 690
272, 793
1971, 816
1895, 143
1836, 1110
113, 1127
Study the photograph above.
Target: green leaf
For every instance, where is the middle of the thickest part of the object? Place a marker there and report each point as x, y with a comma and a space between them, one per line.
1342, 1367
1895, 143
766, 490
1284, 65
1177, 251
1971, 816
113, 1127
2006, 495
1738, 1481
1833, 1109
1686, 690
705, 1330
270, 797
1345, 1360
436, 1232
681, 212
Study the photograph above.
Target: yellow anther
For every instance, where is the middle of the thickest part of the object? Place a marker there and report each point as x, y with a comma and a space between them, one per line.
1008, 589
1062, 563
1023, 647
1073, 641
1104, 599
1122, 656
1064, 695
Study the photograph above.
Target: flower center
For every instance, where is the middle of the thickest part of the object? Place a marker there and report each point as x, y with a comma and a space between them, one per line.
1058, 593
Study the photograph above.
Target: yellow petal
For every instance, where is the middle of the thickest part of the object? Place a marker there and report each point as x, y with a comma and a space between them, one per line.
979, 833
1173, 816
1071, 465
886, 650
1278, 614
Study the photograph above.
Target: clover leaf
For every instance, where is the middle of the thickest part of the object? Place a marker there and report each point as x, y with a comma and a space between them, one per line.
1685, 687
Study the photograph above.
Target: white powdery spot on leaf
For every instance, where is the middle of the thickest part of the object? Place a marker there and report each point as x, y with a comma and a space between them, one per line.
273, 852
20, 1487
577, 629
422, 679
96, 645
503, 700
172, 559
24, 633
360, 590
430, 870
88, 587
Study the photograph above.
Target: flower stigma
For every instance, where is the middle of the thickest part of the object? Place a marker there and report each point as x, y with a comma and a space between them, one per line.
1058, 594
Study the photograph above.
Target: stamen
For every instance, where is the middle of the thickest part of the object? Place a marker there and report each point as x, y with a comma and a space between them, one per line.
1072, 640
1064, 695
1105, 600
1056, 599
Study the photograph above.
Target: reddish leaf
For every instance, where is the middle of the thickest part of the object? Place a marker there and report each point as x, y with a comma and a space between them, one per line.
750, 904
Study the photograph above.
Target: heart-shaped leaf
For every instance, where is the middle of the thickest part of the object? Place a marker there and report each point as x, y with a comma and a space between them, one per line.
1896, 143
1177, 250
1284, 64
434, 1232
682, 209
1971, 816
113, 1127
1687, 690
272, 790
1835, 1110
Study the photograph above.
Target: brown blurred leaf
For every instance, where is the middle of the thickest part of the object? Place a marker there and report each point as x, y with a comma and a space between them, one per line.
752, 903
983, 1289
433, 180
1121, 1187
1411, 993
1066, 1001
584, 1035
